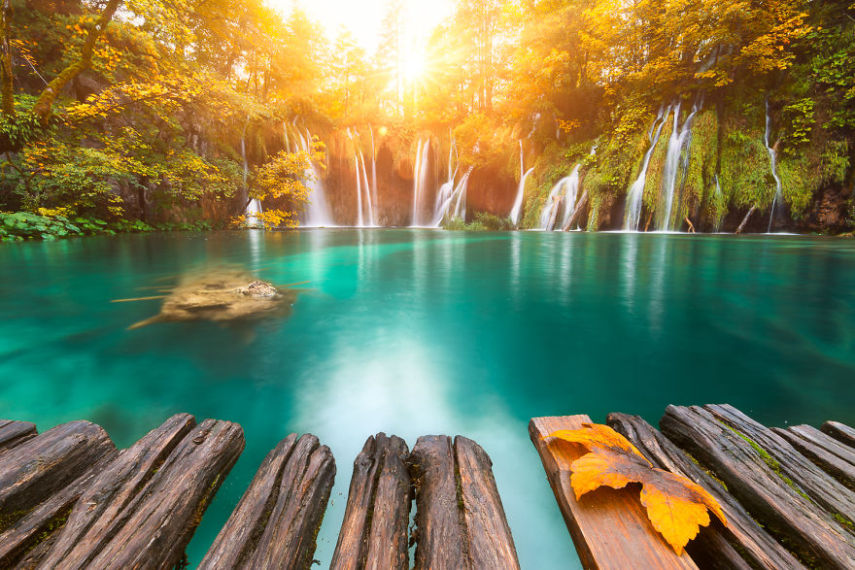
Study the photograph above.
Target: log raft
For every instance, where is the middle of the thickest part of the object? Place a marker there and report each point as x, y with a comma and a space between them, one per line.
787, 493
70, 499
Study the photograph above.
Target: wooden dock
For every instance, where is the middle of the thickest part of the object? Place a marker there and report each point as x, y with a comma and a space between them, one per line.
788, 494
70, 499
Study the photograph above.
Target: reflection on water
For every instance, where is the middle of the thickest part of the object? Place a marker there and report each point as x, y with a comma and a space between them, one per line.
414, 332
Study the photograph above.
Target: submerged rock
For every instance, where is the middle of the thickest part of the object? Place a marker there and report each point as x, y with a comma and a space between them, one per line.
222, 295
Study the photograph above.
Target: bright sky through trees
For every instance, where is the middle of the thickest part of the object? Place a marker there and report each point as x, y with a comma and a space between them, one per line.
363, 18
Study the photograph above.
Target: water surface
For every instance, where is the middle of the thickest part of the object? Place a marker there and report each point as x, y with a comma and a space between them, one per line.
416, 331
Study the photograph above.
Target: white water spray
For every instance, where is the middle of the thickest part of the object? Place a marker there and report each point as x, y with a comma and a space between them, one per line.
517, 207
635, 196
773, 160
420, 170
318, 213
675, 161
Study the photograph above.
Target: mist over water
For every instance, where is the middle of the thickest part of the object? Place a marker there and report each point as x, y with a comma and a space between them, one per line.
417, 332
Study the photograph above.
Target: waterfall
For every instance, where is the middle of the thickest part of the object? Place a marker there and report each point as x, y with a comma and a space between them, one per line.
460, 192
635, 196
253, 208
675, 161
447, 192
719, 198
367, 188
564, 191
359, 220
318, 213
374, 174
773, 160
517, 208
420, 170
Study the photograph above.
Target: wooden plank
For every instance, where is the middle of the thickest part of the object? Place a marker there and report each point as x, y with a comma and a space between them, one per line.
13, 433
609, 527
441, 542
491, 545
28, 540
819, 485
840, 432
43, 465
102, 508
148, 525
774, 501
374, 531
835, 458
742, 543
279, 515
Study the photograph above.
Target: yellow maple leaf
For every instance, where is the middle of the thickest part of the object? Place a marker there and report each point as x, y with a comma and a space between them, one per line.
676, 506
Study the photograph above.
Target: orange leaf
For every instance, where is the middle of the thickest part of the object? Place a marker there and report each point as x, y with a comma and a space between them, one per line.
676, 506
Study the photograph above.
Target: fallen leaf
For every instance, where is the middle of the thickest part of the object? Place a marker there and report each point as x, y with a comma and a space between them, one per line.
676, 506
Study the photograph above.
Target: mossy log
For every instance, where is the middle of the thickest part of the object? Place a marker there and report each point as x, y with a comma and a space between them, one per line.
742, 543
758, 483
835, 458
143, 509
374, 531
459, 515
36, 469
816, 483
277, 520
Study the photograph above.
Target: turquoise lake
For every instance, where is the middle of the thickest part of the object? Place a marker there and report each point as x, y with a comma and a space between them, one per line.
417, 332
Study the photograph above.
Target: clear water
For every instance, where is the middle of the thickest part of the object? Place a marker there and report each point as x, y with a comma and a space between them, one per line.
416, 331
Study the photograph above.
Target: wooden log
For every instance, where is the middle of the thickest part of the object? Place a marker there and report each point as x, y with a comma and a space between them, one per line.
14, 433
744, 222
830, 455
840, 432
580, 205
149, 524
28, 541
775, 502
819, 485
102, 508
374, 531
742, 543
39, 467
279, 515
441, 543
609, 527
491, 545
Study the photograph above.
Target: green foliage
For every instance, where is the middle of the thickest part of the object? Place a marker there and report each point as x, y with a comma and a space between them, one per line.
24, 225
798, 123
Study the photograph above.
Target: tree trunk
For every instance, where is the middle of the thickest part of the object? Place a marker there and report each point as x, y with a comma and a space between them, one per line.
580, 205
44, 105
745, 219
7, 87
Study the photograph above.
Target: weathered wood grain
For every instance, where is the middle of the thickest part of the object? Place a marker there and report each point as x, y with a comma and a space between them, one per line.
41, 466
28, 540
102, 508
374, 531
151, 513
819, 485
441, 540
835, 458
13, 433
609, 527
714, 545
840, 432
278, 517
491, 545
774, 501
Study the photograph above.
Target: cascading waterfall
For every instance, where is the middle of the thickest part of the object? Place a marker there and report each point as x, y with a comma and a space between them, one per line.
459, 211
773, 160
635, 196
719, 199
368, 202
365, 192
517, 207
420, 170
675, 161
374, 171
559, 194
318, 213
253, 208
448, 193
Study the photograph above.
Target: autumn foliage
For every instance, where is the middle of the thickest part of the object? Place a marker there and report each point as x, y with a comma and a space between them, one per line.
676, 506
